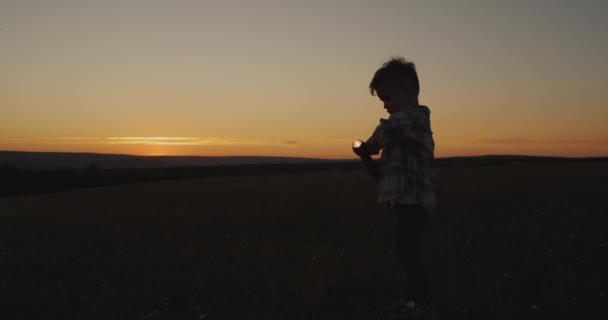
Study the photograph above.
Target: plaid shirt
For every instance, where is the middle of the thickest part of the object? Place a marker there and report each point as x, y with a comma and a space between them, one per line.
407, 166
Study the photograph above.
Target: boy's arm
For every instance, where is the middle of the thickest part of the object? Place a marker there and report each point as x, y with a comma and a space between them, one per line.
375, 143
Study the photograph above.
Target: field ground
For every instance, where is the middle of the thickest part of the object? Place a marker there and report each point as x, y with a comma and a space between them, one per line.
519, 241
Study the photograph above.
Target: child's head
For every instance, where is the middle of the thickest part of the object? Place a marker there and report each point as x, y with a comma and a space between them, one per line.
396, 84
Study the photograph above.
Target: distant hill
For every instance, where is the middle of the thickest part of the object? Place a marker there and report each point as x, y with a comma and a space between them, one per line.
63, 160
43, 161
41, 172
493, 160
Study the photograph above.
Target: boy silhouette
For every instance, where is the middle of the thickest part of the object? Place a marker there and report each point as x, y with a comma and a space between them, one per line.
405, 175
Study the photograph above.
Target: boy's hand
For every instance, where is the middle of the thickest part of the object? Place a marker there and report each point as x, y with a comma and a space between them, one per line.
360, 148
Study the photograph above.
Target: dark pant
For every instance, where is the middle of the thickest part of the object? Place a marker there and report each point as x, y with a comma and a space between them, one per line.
410, 222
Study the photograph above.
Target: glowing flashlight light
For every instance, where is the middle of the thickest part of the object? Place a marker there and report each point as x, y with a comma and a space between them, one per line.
357, 143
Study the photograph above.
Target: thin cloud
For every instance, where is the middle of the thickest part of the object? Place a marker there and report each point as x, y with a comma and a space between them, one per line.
53, 140
189, 141
151, 138
156, 140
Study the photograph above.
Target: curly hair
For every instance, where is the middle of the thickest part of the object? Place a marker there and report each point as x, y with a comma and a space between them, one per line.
396, 71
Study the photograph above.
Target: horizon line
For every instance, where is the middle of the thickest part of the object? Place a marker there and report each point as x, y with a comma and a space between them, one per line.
307, 158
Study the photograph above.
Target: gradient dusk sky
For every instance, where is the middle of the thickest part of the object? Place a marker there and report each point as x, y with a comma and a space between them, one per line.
290, 78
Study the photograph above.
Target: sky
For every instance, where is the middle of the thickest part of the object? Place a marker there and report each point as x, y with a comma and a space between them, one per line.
290, 78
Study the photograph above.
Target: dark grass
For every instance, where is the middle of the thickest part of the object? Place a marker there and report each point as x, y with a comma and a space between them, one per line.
523, 241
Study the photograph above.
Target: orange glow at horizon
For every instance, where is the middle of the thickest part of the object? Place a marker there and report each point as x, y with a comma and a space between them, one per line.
327, 149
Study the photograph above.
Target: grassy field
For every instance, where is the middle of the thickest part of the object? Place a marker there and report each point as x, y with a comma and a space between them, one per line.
519, 241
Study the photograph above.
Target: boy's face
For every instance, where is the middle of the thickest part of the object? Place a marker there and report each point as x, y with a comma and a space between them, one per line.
394, 97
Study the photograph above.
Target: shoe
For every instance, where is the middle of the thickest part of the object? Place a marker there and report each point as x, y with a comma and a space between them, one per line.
428, 309
394, 308
402, 310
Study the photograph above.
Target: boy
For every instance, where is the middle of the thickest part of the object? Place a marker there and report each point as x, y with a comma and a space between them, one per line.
405, 174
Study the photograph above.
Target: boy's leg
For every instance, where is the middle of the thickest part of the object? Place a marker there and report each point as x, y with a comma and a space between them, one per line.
410, 222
